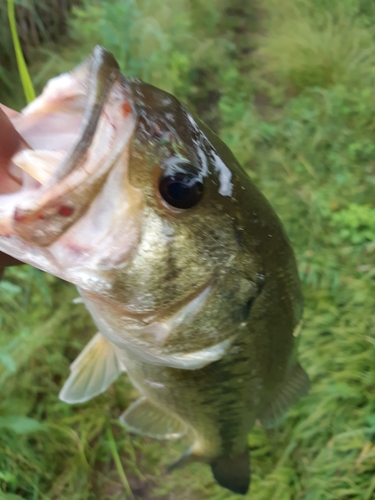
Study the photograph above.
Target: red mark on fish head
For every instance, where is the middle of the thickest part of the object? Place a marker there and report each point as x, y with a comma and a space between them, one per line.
66, 210
126, 108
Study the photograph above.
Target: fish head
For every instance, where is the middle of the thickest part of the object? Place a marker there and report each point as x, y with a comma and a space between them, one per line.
114, 186
60, 151
186, 225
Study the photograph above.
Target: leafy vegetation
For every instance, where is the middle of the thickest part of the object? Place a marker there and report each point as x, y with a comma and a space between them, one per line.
38, 22
22, 68
289, 85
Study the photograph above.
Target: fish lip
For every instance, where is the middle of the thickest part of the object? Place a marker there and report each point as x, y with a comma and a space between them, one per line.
44, 213
98, 92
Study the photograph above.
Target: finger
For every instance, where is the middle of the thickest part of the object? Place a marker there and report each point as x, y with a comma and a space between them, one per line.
7, 260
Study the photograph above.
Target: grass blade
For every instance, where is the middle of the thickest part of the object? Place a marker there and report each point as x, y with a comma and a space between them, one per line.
22, 67
116, 458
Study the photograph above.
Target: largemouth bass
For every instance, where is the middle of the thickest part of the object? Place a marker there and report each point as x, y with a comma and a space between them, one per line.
114, 186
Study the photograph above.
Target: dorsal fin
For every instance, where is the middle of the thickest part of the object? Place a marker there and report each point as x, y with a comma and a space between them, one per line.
92, 372
296, 385
143, 417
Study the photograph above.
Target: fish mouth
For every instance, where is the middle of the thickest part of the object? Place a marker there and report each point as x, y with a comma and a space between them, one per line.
63, 166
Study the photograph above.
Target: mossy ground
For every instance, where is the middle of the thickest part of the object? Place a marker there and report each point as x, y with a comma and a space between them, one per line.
289, 85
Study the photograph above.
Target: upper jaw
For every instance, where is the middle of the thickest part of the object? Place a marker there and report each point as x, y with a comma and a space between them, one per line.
78, 131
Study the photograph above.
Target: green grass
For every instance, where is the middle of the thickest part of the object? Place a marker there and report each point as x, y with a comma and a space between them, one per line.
292, 93
312, 45
34, 23
22, 68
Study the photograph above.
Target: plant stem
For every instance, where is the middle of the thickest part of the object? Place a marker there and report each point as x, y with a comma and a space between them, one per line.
22, 67
116, 458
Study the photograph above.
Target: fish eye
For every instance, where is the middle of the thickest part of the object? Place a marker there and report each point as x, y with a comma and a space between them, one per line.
181, 189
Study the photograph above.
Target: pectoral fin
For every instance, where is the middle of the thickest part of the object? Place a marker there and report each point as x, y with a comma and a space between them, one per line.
296, 385
142, 417
92, 372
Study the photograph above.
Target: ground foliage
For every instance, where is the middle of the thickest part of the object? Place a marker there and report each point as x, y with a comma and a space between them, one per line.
289, 85
38, 22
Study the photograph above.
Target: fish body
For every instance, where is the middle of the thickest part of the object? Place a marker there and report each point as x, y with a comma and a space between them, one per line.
181, 261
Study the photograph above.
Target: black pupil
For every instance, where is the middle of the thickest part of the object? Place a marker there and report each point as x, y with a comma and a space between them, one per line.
181, 190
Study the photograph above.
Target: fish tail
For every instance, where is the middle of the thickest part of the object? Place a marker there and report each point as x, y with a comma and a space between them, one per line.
232, 471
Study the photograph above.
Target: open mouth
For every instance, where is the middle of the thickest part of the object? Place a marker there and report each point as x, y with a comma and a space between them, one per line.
58, 153
63, 155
